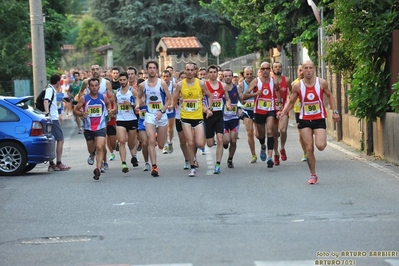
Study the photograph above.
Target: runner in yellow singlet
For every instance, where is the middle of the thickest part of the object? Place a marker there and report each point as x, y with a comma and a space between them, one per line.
189, 93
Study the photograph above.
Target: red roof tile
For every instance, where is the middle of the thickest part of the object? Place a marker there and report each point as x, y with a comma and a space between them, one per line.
173, 43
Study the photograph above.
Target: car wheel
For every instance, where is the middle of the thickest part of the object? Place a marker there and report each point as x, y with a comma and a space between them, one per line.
12, 158
29, 167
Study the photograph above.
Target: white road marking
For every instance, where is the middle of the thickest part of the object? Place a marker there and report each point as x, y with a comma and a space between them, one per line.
124, 203
209, 161
298, 220
359, 158
392, 262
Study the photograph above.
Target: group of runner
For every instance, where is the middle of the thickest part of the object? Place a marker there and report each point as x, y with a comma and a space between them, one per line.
205, 108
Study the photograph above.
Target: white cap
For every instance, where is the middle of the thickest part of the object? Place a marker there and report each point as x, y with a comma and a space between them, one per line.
235, 75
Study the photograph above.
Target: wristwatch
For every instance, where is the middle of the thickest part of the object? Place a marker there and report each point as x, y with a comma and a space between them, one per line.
47, 114
210, 108
336, 112
162, 112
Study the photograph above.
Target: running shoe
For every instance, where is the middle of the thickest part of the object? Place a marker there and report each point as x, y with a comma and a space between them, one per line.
134, 161
216, 171
276, 159
147, 167
269, 162
105, 165
263, 154
112, 157
102, 170
139, 147
90, 160
304, 159
253, 159
155, 171
283, 155
203, 151
186, 165
124, 168
165, 150
230, 164
61, 167
97, 174
170, 148
313, 179
192, 173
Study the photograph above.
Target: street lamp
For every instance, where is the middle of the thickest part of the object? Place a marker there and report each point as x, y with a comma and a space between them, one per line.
216, 50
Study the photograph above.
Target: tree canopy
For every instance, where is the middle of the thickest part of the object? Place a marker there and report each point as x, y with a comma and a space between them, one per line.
15, 43
362, 52
138, 26
269, 23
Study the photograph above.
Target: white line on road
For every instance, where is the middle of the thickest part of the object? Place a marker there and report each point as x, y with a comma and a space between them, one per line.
124, 203
379, 167
209, 161
392, 262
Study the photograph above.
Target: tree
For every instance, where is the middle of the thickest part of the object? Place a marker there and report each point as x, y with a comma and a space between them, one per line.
268, 23
139, 25
362, 52
91, 34
15, 44
15, 47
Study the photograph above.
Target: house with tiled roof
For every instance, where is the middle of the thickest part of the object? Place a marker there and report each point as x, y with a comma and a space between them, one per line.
177, 51
174, 45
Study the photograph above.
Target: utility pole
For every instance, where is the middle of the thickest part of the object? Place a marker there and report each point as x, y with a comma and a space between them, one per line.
38, 54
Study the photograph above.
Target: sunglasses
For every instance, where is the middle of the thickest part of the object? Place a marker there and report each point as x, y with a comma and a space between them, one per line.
264, 68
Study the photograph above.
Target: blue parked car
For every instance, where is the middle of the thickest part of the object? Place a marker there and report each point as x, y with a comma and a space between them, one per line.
25, 136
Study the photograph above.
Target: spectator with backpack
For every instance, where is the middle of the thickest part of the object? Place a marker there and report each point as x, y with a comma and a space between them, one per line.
51, 110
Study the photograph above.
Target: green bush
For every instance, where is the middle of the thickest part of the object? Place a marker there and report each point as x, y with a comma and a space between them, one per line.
394, 100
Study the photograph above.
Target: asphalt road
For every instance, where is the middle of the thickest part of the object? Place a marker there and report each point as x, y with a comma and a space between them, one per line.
249, 215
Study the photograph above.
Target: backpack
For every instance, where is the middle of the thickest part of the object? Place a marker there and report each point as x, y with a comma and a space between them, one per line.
40, 100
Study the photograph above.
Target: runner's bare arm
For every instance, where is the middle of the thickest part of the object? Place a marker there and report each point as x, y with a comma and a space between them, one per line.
78, 108
248, 93
206, 92
227, 97
176, 94
291, 100
168, 96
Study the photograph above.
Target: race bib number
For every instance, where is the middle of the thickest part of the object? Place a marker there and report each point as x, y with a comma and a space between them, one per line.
59, 105
249, 105
95, 110
155, 106
142, 114
190, 105
265, 104
312, 108
233, 110
217, 104
123, 108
